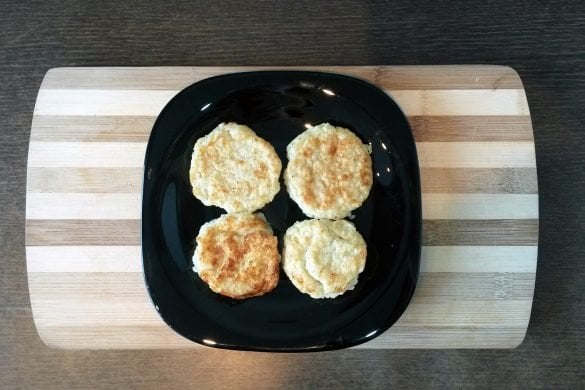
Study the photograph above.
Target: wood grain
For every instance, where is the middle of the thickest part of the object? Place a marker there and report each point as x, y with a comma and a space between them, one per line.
480, 232
480, 205
100, 128
143, 102
137, 129
174, 78
86, 154
95, 206
434, 259
476, 206
82, 232
471, 128
433, 180
495, 232
479, 180
81, 291
94, 180
476, 154
430, 154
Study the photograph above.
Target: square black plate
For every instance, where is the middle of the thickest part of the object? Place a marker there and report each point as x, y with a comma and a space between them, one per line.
278, 105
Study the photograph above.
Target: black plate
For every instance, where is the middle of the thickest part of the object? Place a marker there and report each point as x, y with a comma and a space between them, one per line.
278, 106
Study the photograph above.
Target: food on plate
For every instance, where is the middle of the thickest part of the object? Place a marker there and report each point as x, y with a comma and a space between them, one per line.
237, 255
323, 258
234, 169
329, 173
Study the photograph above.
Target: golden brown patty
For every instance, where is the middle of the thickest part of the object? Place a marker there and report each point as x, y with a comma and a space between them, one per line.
329, 172
234, 169
237, 255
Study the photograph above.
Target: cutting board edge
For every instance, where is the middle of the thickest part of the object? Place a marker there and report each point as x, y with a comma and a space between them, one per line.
51, 72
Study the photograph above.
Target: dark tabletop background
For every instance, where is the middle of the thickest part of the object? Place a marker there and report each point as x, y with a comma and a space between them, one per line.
543, 41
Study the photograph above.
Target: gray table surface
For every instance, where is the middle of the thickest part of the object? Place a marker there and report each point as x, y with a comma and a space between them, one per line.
544, 41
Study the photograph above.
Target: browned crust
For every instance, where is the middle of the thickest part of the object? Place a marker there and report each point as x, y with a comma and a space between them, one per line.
338, 153
241, 265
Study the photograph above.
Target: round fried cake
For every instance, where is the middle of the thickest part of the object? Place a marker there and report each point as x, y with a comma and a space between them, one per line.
234, 169
237, 255
323, 258
329, 173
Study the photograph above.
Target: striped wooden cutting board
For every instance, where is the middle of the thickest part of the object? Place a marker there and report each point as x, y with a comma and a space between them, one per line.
480, 205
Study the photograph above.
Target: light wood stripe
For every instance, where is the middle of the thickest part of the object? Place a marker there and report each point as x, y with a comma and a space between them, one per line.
82, 232
64, 102
79, 299
89, 206
471, 128
86, 154
479, 259
476, 154
430, 154
490, 313
435, 232
461, 102
433, 180
478, 206
128, 287
137, 129
402, 337
413, 77
90, 180
479, 180
83, 206
434, 259
161, 336
480, 232
90, 259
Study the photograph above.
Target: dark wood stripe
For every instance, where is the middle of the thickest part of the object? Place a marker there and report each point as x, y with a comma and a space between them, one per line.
436, 287
84, 180
91, 128
480, 232
82, 232
435, 232
471, 128
479, 180
388, 77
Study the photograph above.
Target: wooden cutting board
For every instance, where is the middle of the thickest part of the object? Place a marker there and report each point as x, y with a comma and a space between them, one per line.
480, 205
